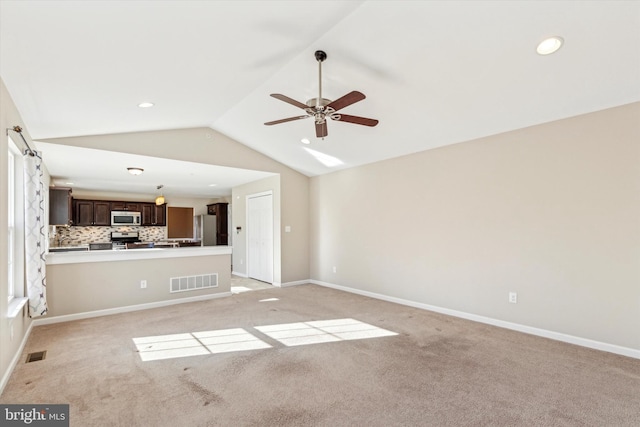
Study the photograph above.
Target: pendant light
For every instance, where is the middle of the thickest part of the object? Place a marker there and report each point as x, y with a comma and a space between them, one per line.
160, 198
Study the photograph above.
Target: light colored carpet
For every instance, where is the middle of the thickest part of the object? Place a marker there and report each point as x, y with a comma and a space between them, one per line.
245, 284
437, 370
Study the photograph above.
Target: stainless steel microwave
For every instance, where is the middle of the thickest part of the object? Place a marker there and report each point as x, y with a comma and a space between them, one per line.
125, 218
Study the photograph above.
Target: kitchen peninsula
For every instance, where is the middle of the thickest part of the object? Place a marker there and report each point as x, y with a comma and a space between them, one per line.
92, 283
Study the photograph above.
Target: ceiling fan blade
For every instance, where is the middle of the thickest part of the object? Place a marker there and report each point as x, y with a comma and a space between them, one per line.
290, 119
355, 119
321, 130
345, 101
289, 101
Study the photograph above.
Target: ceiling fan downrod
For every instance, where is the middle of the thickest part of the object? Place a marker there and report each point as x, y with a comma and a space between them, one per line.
321, 55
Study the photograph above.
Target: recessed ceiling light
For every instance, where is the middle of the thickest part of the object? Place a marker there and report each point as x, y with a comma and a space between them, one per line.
68, 183
305, 141
145, 104
212, 185
135, 171
549, 45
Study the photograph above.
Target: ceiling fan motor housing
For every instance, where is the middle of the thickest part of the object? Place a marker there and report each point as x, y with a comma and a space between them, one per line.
315, 102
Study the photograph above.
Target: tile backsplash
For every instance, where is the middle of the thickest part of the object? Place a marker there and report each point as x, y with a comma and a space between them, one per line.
71, 236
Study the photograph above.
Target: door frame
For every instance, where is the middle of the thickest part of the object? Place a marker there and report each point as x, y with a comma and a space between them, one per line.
273, 228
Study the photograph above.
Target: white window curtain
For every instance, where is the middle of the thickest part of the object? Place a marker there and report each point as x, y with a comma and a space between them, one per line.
34, 234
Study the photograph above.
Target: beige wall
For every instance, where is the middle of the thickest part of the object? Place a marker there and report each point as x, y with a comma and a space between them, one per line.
86, 287
204, 145
9, 117
551, 212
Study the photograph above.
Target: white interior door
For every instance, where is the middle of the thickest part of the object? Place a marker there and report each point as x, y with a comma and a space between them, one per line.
260, 237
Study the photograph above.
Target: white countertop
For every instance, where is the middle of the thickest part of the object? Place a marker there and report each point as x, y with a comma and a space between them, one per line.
75, 257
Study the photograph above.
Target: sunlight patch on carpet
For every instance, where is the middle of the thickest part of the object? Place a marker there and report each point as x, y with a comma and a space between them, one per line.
238, 339
323, 331
197, 344
239, 289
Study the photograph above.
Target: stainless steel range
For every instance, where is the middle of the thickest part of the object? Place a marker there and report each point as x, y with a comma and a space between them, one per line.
120, 239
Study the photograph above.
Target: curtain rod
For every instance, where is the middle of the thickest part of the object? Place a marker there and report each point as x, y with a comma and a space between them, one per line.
18, 130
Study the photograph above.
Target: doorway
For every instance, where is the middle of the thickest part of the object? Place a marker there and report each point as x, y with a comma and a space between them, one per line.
260, 236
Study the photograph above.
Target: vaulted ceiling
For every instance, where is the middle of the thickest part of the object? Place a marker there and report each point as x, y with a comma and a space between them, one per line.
434, 72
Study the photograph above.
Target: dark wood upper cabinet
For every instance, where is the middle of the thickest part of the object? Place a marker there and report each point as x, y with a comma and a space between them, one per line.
153, 214
161, 214
147, 212
60, 206
91, 212
82, 212
98, 212
126, 206
101, 213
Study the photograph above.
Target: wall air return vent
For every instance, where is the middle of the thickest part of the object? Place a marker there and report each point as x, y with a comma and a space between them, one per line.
193, 283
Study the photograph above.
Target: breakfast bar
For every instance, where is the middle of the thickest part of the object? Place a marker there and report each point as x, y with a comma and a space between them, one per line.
90, 283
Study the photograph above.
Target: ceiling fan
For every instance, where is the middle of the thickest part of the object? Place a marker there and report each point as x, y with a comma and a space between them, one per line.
320, 108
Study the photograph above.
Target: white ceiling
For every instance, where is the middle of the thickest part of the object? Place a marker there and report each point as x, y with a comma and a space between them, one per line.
434, 72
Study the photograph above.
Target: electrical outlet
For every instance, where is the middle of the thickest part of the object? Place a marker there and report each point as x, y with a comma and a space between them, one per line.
143, 284
513, 297
334, 269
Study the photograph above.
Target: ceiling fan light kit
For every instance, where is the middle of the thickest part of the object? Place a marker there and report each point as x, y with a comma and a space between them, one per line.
320, 108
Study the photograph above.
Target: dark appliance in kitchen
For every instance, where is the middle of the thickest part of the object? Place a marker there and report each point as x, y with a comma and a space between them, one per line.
119, 239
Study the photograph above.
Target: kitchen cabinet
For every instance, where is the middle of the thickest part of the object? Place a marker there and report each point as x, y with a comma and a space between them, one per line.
126, 206
152, 214
91, 212
60, 206
98, 212
222, 222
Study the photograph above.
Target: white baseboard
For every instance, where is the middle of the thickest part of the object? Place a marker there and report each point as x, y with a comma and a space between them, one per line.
235, 273
584, 342
16, 358
294, 283
125, 309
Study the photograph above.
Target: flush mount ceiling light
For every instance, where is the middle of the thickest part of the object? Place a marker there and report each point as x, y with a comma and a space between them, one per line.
160, 198
146, 104
549, 45
135, 171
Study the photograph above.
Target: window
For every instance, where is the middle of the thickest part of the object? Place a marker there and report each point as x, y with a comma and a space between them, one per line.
15, 234
11, 216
